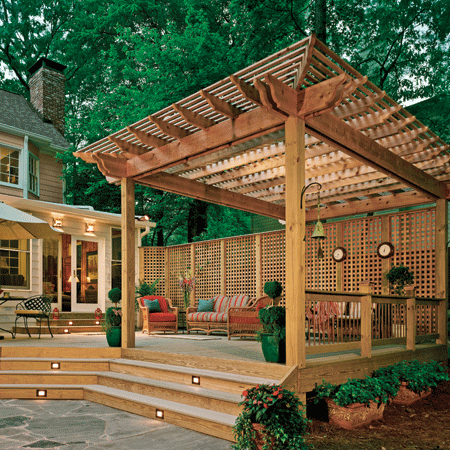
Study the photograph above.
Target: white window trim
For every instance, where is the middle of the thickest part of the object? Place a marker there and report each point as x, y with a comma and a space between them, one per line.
19, 185
33, 156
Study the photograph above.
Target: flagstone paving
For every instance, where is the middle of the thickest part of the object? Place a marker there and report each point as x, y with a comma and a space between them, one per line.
83, 425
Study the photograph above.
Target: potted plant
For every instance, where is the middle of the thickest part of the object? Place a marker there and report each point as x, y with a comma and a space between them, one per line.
412, 380
271, 418
399, 277
272, 335
141, 290
355, 403
273, 289
113, 320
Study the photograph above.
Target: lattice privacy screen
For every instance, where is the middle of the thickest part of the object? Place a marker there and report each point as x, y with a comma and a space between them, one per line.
247, 262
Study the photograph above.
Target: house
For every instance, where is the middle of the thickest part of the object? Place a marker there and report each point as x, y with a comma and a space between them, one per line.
80, 266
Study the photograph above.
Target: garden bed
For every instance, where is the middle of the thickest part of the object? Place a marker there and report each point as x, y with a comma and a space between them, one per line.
424, 425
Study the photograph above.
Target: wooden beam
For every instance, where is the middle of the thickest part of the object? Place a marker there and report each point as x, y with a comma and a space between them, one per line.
247, 90
305, 64
170, 129
221, 106
332, 130
147, 138
111, 165
194, 189
128, 147
193, 118
128, 263
295, 246
217, 137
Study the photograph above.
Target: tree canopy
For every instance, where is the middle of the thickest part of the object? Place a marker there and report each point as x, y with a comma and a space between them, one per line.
129, 58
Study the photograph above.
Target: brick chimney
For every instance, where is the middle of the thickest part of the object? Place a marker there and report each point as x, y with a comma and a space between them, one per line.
47, 91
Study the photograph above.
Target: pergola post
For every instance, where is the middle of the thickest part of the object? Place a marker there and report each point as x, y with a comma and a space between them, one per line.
441, 290
128, 263
295, 245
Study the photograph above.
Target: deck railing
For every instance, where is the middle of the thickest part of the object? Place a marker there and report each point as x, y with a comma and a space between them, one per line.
338, 321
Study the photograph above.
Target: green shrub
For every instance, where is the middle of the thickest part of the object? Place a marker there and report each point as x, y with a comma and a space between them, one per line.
399, 277
113, 318
273, 320
115, 295
273, 289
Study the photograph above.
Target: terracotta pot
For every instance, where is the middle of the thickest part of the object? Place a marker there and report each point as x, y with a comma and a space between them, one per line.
354, 415
260, 433
405, 397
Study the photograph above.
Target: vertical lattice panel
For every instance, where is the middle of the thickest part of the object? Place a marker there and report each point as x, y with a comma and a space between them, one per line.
273, 259
179, 262
361, 238
207, 263
153, 260
241, 266
413, 236
321, 273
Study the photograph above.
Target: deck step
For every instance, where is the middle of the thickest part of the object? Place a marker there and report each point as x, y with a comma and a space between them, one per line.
221, 381
203, 420
33, 377
58, 329
66, 364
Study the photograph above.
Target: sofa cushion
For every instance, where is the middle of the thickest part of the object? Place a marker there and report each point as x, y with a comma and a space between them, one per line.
217, 317
221, 303
161, 300
162, 317
205, 305
238, 301
152, 305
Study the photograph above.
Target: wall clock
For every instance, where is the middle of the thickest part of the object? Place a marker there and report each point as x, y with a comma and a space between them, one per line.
339, 254
385, 250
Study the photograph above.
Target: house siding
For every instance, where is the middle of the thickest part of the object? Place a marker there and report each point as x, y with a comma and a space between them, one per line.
10, 139
50, 183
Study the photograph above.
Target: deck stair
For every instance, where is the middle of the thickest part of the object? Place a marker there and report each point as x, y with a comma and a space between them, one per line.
136, 386
72, 321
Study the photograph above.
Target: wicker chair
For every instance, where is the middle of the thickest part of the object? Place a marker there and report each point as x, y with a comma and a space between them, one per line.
166, 320
244, 321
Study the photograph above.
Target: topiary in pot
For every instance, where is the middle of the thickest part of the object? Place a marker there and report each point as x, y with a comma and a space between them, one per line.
271, 418
399, 277
112, 326
272, 335
115, 295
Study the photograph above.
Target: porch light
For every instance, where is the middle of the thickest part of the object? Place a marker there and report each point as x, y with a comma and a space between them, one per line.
57, 222
41, 392
90, 227
159, 414
195, 380
56, 365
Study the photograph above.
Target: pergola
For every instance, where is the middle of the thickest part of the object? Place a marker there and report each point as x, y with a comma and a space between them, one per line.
254, 140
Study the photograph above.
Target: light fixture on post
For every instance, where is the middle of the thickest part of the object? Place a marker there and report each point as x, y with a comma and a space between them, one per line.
318, 232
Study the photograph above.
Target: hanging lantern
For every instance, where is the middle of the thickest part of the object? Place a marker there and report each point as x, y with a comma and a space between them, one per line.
55, 314
318, 232
98, 313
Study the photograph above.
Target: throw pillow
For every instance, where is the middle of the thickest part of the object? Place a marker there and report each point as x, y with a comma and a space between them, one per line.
152, 305
205, 305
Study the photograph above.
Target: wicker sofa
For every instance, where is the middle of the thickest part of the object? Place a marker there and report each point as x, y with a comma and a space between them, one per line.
217, 319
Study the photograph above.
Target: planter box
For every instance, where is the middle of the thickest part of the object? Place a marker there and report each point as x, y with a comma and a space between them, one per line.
405, 397
354, 415
260, 433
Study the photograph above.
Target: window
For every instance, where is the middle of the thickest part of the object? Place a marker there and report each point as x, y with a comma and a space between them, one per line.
116, 259
33, 174
15, 264
9, 166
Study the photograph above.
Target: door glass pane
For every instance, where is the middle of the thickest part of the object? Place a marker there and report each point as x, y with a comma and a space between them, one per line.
87, 272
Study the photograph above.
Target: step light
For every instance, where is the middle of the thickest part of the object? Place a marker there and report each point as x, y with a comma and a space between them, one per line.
56, 365
70, 323
41, 392
195, 380
159, 414
97, 322
66, 331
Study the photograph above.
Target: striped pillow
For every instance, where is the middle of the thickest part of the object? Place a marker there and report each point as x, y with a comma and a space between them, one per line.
221, 303
238, 301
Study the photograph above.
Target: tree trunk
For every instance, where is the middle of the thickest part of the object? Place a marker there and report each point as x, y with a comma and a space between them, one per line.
320, 22
197, 219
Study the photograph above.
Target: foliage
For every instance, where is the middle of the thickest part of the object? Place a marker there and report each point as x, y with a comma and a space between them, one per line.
273, 289
273, 320
356, 391
143, 288
399, 277
115, 295
113, 318
418, 376
278, 410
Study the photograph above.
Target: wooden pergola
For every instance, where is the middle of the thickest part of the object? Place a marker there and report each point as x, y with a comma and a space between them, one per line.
254, 140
